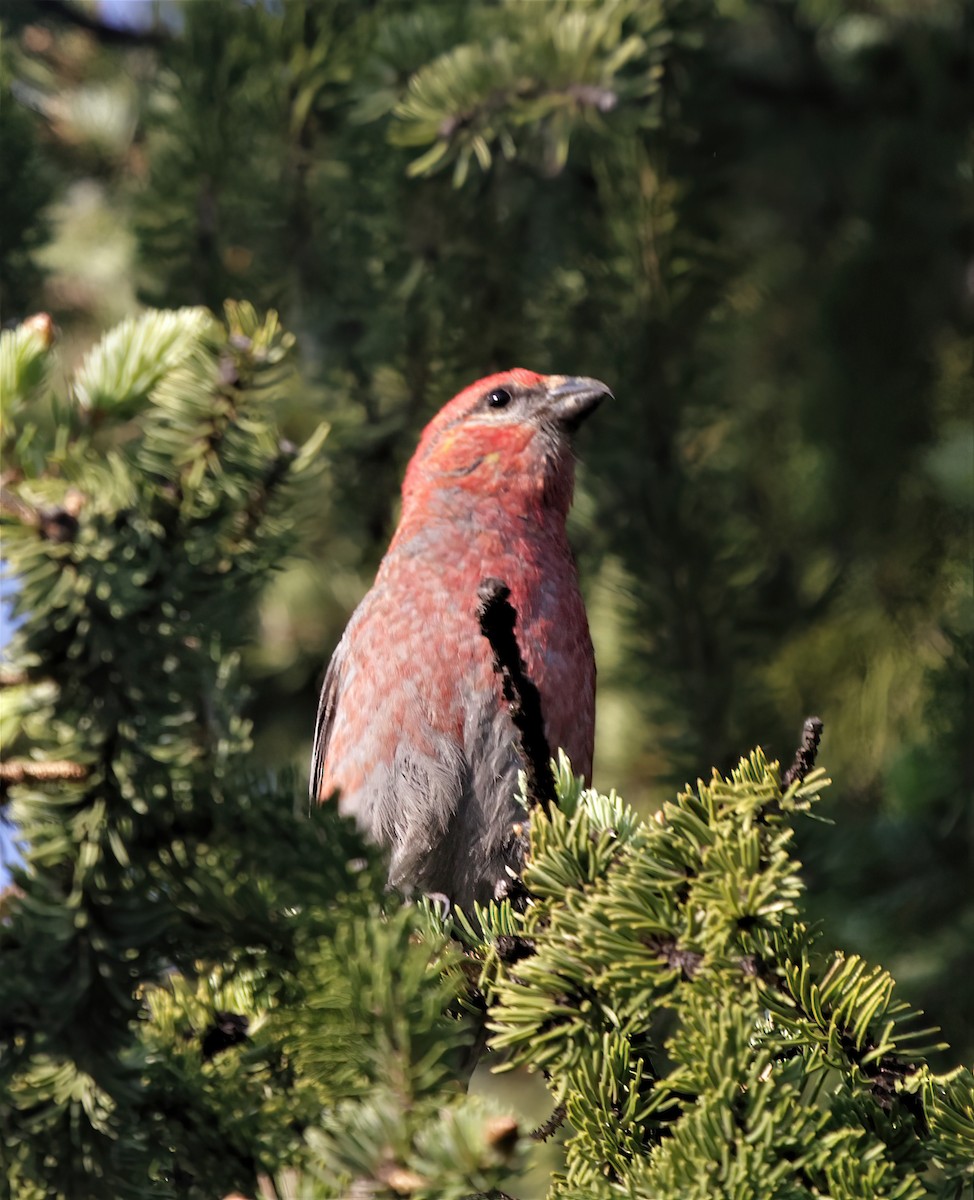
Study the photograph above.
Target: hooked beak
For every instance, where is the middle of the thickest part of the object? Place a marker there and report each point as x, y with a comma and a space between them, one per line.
571, 398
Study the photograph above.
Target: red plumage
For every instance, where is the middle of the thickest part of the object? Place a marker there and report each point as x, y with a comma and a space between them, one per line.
413, 732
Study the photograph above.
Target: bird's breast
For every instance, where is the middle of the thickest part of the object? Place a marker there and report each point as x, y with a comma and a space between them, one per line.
441, 576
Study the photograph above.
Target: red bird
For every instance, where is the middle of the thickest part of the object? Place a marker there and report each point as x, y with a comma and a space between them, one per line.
412, 730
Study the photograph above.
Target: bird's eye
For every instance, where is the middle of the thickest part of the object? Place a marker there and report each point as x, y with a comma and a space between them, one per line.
499, 398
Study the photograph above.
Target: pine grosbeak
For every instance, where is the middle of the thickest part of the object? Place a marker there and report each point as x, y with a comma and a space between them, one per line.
413, 732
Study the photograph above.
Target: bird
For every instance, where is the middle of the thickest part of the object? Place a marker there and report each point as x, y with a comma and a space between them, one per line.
413, 733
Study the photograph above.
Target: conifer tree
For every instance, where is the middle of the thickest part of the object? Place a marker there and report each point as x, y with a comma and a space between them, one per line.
206, 989
754, 222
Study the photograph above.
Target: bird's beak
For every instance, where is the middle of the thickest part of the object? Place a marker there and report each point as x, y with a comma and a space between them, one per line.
571, 398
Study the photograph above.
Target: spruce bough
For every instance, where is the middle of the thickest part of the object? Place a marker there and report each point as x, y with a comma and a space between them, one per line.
698, 1039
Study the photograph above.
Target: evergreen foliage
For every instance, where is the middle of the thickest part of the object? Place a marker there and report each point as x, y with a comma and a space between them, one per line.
28, 191
753, 220
695, 1034
202, 989
140, 525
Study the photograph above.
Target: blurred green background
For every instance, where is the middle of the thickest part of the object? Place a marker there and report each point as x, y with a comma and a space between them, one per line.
753, 220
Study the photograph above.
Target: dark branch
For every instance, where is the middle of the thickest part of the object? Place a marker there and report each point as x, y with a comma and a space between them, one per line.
55, 524
273, 477
551, 1126
687, 962
806, 753
497, 620
228, 1029
511, 949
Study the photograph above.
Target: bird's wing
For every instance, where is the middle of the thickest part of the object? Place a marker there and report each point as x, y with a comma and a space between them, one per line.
439, 799
325, 720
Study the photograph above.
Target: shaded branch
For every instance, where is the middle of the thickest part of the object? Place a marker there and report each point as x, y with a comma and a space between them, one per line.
687, 962
55, 524
806, 753
273, 477
497, 620
550, 1127
228, 1029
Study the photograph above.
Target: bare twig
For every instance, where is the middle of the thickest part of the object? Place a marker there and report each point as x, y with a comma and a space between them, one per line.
497, 620
54, 771
806, 753
550, 1127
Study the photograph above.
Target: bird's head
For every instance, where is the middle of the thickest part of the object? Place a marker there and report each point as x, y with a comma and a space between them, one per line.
506, 438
